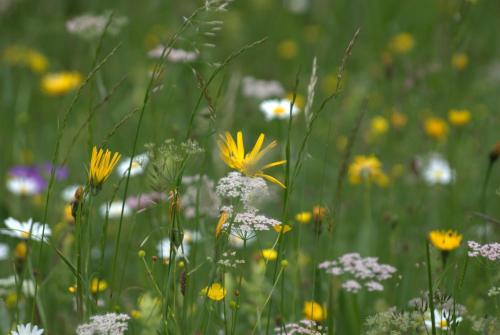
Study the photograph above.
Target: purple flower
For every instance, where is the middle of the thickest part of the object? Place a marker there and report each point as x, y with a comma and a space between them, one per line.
25, 180
61, 172
145, 200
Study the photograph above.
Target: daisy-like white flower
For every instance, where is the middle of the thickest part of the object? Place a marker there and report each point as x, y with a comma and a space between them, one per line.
25, 230
442, 319
277, 109
138, 165
25, 180
68, 193
163, 249
4, 251
437, 170
115, 209
27, 329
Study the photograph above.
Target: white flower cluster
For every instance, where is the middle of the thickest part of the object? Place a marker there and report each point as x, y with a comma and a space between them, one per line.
261, 89
489, 251
107, 324
303, 327
173, 55
360, 271
246, 189
90, 26
251, 221
228, 259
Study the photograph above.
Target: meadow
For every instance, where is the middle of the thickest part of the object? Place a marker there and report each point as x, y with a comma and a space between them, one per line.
249, 167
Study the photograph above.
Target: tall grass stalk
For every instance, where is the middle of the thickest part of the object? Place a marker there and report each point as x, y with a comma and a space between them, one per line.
431, 292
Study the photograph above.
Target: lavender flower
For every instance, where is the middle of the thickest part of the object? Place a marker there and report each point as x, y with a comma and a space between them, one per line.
107, 324
25, 180
145, 200
359, 272
489, 251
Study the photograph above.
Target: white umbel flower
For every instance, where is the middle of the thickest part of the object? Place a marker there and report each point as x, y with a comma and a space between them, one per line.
138, 165
109, 324
27, 329
277, 109
26, 230
437, 170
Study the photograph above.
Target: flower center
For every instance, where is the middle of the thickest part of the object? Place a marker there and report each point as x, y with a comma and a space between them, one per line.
25, 234
279, 111
135, 165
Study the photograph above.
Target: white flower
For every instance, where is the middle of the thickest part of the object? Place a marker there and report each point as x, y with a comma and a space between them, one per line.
109, 324
163, 249
138, 165
11, 282
115, 209
27, 329
4, 251
297, 6
26, 230
68, 193
436, 170
191, 236
277, 109
23, 186
173, 55
442, 319
261, 89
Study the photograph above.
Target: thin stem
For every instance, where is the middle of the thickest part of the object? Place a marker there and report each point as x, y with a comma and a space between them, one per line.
431, 294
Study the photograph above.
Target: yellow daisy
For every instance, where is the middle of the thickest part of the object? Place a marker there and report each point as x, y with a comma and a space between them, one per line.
445, 240
101, 166
233, 154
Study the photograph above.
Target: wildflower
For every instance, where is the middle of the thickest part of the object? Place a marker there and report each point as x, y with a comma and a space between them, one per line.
21, 251
222, 220
282, 228
269, 254
261, 89
398, 119
4, 251
27, 329
90, 26
215, 292
139, 163
445, 240
277, 109
459, 117
303, 217
459, 61
367, 169
24, 56
402, 43
25, 230
114, 209
110, 324
60, 83
442, 318
199, 197
303, 327
72, 289
436, 128
359, 272
101, 166
228, 259
288, 49
379, 125
436, 170
145, 200
9, 283
98, 285
25, 181
163, 249
246, 189
489, 251
173, 55
313, 311
233, 154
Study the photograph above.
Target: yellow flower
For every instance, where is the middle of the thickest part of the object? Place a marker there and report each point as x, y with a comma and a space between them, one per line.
398, 119
436, 128
23, 56
215, 292
285, 228
68, 214
379, 125
445, 240
402, 43
459, 61
222, 219
101, 166
135, 314
459, 117
233, 154
21, 250
303, 217
288, 49
269, 254
72, 289
60, 83
367, 168
313, 311
98, 285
